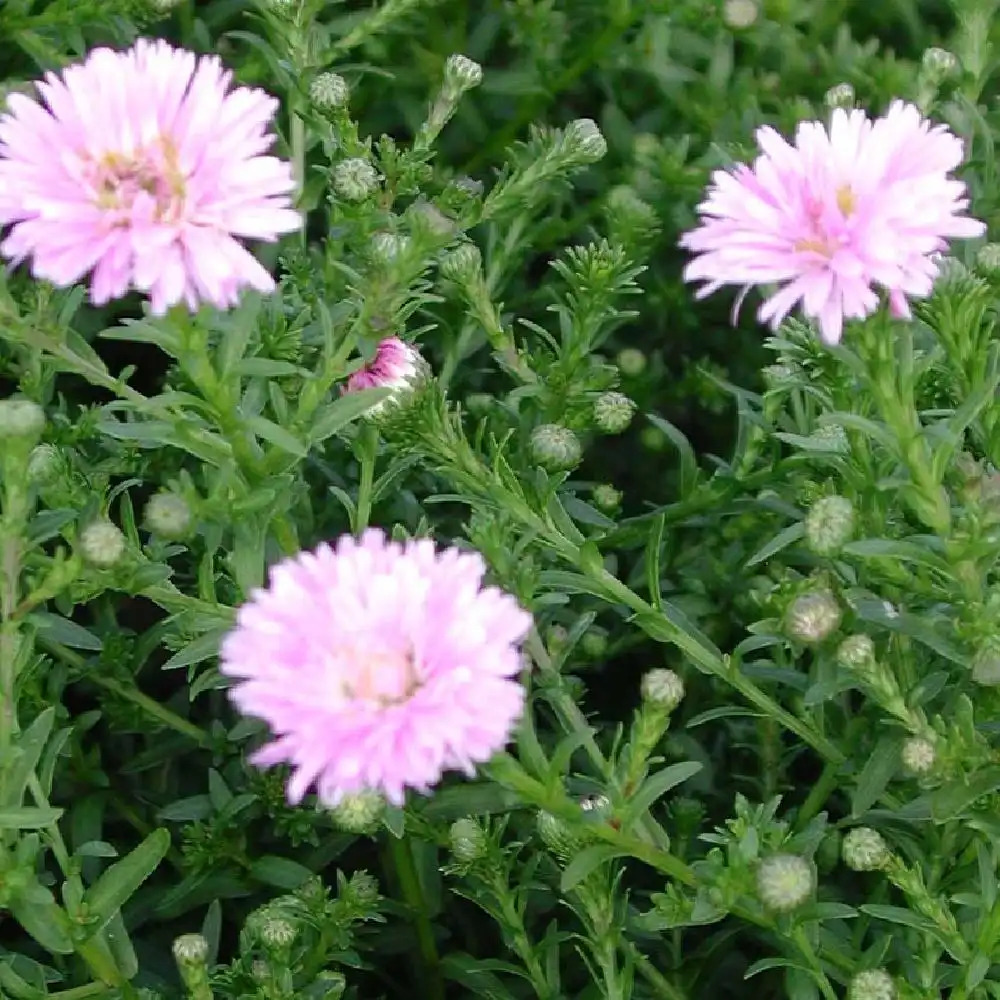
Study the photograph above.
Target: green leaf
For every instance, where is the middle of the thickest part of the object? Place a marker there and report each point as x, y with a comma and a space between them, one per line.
656, 786
30, 745
43, 918
343, 411
28, 818
58, 629
204, 647
282, 873
117, 884
278, 436
588, 861
775, 962
950, 801
689, 463
878, 771
781, 540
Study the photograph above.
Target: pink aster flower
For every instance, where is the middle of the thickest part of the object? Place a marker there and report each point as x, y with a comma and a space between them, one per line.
143, 167
867, 203
396, 365
378, 666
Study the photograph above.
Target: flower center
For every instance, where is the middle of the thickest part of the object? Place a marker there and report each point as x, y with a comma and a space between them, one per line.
829, 230
384, 677
120, 180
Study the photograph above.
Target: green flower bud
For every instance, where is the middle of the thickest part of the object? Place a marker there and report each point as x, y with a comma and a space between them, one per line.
276, 934
918, 755
555, 447
354, 179
812, 617
739, 14
584, 138
606, 498
462, 73
832, 438
359, 813
986, 666
865, 850
872, 984
463, 265
594, 643
163, 7
613, 412
663, 688
168, 515
631, 362
840, 96
21, 418
329, 92
558, 836
45, 463
468, 841
988, 260
364, 888
855, 652
785, 882
387, 247
190, 950
102, 544
829, 525
938, 64
653, 438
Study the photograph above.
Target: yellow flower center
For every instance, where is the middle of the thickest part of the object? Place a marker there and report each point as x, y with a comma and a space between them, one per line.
386, 678
119, 179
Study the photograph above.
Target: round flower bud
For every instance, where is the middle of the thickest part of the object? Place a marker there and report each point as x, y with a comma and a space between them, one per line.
872, 984
283, 8
631, 362
613, 412
102, 544
829, 524
738, 14
812, 617
44, 464
856, 651
840, 96
785, 881
594, 643
653, 438
163, 7
988, 260
555, 447
468, 841
190, 950
606, 498
358, 813
557, 836
662, 688
584, 137
354, 179
329, 92
462, 265
918, 755
462, 73
832, 438
364, 887
986, 666
276, 933
939, 64
20, 418
865, 850
387, 247
168, 515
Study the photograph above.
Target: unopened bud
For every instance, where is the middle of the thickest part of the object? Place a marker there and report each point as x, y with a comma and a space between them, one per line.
558, 836
358, 813
584, 137
102, 544
276, 933
829, 525
739, 14
918, 755
329, 92
840, 96
555, 447
606, 498
462, 73
856, 652
865, 850
468, 841
812, 617
463, 265
387, 247
988, 260
939, 64
613, 412
662, 688
631, 362
168, 515
872, 984
190, 950
986, 666
354, 179
785, 881
44, 464
21, 418
594, 643
364, 888
832, 438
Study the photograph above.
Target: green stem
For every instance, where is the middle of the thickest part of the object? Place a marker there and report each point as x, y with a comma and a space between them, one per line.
149, 705
818, 795
805, 946
87, 992
298, 145
431, 980
662, 987
366, 451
